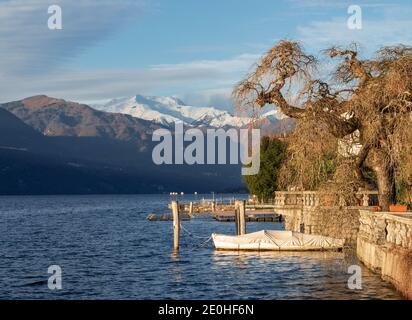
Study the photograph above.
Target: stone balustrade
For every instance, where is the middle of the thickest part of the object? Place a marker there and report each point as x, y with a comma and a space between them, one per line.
386, 228
399, 231
384, 244
317, 198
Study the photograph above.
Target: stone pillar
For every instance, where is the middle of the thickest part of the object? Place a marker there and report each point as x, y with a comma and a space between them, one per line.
365, 200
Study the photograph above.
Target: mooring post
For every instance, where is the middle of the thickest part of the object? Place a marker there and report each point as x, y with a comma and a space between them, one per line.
176, 225
242, 217
191, 208
213, 206
237, 219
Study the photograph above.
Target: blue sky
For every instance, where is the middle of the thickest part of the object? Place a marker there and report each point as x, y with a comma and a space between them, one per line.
194, 49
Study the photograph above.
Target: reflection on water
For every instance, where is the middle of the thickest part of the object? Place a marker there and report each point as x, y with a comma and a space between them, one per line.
302, 275
107, 249
274, 255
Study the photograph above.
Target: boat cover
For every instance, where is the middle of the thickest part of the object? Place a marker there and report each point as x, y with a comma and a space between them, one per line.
276, 240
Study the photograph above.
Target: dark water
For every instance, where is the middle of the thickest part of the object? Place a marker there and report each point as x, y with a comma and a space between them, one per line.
107, 249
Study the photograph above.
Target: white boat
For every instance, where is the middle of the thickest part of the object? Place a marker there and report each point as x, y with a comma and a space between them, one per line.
271, 240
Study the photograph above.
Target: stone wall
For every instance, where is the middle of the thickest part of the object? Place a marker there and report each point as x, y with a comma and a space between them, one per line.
322, 213
341, 223
384, 245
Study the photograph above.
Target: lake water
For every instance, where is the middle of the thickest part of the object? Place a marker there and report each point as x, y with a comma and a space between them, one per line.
108, 250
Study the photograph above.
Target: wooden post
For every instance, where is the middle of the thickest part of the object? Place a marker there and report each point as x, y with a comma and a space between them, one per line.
191, 209
237, 219
242, 217
213, 206
176, 225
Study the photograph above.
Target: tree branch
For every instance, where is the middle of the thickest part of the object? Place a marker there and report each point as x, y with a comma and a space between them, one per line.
275, 97
352, 65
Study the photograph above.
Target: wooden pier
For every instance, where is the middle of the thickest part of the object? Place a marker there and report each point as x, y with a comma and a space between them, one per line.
272, 217
226, 212
232, 212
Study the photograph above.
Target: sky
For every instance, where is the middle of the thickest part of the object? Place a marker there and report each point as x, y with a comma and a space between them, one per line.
195, 50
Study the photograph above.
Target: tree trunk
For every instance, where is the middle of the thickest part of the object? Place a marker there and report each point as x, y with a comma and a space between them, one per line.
385, 179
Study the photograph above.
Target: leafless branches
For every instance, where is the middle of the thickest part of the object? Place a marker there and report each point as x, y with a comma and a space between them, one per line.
373, 102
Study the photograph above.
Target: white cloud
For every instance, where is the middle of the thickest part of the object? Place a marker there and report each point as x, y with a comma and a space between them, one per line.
32, 57
220, 98
234, 64
89, 85
27, 46
338, 3
374, 34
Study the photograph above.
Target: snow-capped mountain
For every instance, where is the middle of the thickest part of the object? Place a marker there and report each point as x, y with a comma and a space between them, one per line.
167, 110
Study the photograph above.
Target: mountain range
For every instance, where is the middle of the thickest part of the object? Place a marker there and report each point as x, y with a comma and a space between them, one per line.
57, 117
53, 146
168, 110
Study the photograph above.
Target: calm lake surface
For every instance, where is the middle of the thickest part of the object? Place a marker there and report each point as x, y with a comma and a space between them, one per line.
108, 250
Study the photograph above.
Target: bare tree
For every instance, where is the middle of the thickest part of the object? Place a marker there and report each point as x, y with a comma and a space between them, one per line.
368, 101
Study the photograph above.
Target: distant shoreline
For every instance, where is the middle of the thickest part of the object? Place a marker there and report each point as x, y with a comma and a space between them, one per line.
120, 194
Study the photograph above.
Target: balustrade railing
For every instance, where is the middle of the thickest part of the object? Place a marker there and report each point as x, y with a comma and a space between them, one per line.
318, 198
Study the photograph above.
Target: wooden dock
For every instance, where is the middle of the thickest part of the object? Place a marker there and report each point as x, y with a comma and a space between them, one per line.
167, 217
225, 212
250, 218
